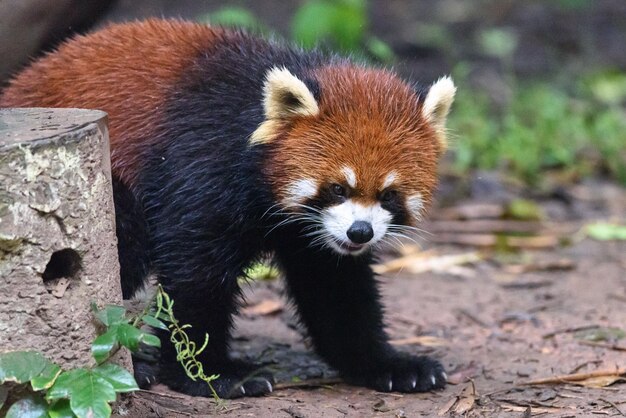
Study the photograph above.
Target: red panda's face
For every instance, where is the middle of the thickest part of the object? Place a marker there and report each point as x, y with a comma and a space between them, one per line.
358, 162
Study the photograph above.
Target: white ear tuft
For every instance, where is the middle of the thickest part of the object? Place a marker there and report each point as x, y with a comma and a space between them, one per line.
284, 96
437, 105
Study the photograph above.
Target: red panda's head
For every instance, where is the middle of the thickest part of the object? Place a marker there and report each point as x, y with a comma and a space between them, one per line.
353, 150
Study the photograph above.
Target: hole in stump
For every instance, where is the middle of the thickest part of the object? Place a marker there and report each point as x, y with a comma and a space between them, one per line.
63, 263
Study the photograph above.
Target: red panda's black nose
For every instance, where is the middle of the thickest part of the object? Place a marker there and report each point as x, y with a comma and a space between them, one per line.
360, 232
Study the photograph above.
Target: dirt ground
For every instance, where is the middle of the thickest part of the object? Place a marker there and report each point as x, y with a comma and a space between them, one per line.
494, 324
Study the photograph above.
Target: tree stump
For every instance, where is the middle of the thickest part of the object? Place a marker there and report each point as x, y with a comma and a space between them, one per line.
58, 249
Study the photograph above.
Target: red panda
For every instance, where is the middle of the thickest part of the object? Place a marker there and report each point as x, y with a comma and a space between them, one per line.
225, 147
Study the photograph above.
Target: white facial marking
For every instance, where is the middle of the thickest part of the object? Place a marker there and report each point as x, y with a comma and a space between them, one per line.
391, 177
415, 205
338, 219
350, 176
299, 191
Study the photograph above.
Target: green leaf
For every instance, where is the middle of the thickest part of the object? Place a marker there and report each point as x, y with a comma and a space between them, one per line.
153, 322
21, 366
603, 231
89, 393
151, 340
111, 315
129, 336
61, 409
101, 347
30, 407
46, 378
118, 377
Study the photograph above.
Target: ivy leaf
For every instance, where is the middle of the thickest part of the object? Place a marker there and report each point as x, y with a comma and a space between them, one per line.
61, 409
104, 344
118, 377
130, 337
21, 366
111, 315
151, 340
153, 322
29, 407
89, 393
46, 378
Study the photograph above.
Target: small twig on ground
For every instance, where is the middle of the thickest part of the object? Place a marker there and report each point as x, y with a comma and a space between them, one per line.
187, 414
311, 383
603, 345
575, 377
613, 405
580, 366
163, 394
473, 318
568, 330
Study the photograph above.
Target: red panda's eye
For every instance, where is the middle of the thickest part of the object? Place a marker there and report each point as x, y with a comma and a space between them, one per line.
388, 195
338, 189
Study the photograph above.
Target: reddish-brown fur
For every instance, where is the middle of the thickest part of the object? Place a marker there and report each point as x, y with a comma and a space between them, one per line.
99, 79
370, 121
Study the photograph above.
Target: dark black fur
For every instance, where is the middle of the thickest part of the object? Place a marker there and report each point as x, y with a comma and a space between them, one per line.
205, 205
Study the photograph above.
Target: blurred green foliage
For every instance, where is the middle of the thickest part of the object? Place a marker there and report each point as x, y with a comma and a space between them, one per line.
341, 25
234, 17
541, 128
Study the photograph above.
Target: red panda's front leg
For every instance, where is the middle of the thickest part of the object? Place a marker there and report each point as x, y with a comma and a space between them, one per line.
198, 260
208, 305
338, 301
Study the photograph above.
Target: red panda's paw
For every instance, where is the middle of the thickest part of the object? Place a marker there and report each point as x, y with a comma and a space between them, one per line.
236, 379
408, 374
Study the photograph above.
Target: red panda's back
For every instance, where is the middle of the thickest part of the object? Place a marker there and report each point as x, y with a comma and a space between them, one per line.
126, 70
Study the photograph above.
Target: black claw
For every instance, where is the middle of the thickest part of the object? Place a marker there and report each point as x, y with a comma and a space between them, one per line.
406, 374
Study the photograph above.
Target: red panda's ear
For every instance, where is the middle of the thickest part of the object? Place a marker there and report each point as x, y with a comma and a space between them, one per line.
284, 96
437, 105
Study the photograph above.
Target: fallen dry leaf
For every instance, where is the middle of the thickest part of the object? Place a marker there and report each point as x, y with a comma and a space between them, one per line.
425, 340
263, 308
599, 381
467, 399
577, 377
422, 262
534, 410
447, 406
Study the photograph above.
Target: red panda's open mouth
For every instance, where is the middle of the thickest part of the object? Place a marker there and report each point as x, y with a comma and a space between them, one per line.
349, 246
